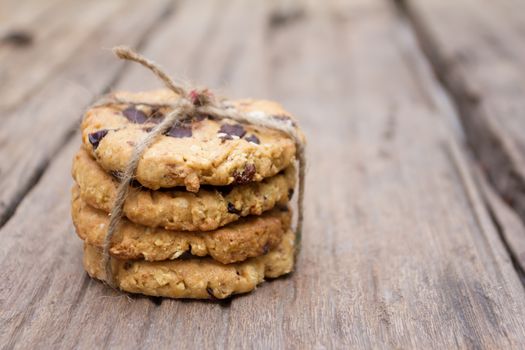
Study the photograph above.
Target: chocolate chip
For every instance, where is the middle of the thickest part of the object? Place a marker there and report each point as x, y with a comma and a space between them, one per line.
232, 130
290, 193
245, 176
127, 265
96, 137
134, 115
253, 139
266, 249
232, 209
179, 131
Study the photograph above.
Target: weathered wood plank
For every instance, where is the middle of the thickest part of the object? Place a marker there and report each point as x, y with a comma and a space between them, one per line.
509, 224
16, 15
399, 250
478, 51
31, 134
55, 37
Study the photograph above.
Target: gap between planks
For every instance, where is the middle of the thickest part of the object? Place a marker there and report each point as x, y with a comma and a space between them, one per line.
499, 168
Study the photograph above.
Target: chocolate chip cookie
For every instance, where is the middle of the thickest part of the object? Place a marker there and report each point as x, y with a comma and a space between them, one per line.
200, 150
176, 209
193, 278
248, 237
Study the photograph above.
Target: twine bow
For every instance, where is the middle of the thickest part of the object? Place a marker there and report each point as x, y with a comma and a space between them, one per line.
190, 103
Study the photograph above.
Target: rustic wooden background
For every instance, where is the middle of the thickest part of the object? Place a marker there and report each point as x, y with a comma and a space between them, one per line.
415, 116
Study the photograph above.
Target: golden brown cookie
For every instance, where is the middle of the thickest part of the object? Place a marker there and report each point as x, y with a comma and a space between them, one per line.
248, 237
201, 278
199, 150
205, 210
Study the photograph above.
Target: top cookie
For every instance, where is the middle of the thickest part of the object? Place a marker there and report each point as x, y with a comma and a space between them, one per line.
196, 151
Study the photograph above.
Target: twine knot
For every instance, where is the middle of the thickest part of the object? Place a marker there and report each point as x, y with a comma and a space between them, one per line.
201, 97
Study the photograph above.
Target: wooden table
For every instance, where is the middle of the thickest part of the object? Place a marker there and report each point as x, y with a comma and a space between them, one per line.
415, 116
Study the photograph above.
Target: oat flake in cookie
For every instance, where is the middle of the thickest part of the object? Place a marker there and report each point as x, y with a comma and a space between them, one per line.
196, 151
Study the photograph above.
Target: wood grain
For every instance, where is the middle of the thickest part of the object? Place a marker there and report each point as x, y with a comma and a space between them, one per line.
16, 15
399, 249
54, 38
478, 52
32, 134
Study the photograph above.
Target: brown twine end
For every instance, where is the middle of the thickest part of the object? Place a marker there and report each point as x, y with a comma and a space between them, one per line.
196, 101
121, 51
125, 53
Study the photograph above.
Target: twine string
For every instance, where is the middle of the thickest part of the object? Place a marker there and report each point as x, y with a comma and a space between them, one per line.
193, 102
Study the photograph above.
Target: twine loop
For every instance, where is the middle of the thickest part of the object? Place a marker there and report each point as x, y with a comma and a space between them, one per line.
191, 102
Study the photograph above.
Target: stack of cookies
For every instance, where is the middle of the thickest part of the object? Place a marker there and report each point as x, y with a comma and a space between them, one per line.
207, 214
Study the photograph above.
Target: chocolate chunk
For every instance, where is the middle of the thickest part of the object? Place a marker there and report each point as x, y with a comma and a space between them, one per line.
253, 139
232, 209
96, 137
134, 115
245, 176
179, 131
266, 249
232, 130
290, 193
